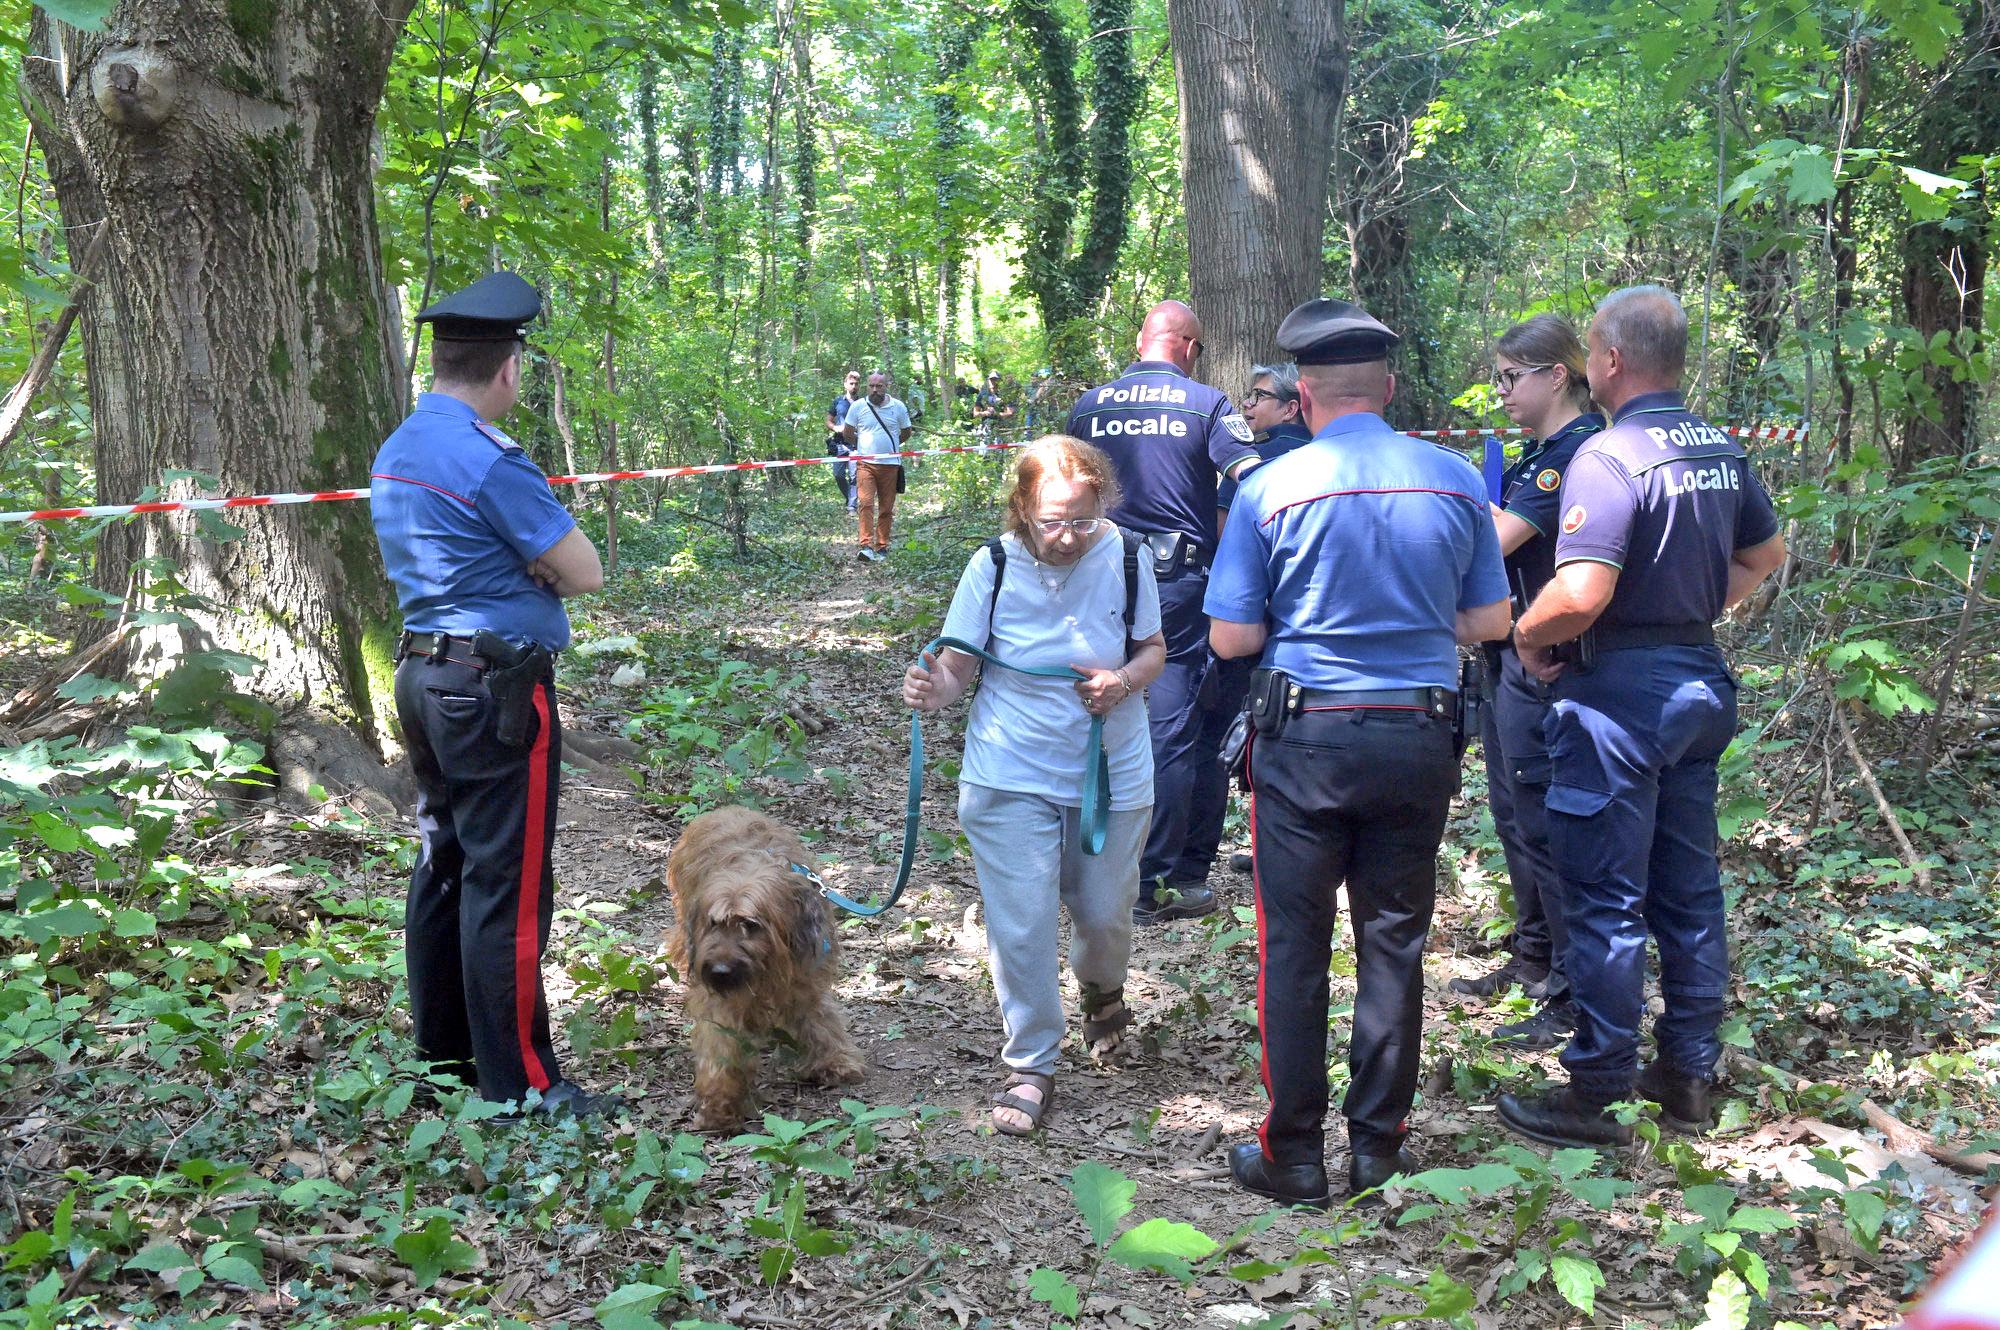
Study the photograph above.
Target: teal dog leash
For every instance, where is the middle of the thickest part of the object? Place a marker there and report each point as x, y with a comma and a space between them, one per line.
1096, 784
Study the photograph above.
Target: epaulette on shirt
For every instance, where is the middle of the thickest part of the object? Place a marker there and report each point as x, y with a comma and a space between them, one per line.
500, 440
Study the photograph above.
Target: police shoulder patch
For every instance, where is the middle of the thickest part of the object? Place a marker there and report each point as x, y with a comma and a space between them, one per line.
1239, 428
493, 433
1573, 519
1548, 480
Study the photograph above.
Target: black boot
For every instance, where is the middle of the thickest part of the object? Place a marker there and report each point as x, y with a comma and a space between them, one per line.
1169, 902
1560, 1117
1533, 979
1367, 1173
567, 1099
1682, 1096
1547, 1028
1294, 1184
1241, 862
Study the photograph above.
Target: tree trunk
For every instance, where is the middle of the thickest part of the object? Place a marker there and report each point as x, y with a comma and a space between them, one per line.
238, 332
1260, 91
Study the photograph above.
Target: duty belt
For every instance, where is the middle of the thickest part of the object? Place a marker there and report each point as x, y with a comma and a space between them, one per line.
1438, 702
1616, 637
1173, 551
440, 645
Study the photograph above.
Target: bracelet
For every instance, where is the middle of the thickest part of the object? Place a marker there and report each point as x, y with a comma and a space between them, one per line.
1125, 679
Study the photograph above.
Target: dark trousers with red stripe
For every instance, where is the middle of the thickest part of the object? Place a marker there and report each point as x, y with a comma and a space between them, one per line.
481, 897
1354, 797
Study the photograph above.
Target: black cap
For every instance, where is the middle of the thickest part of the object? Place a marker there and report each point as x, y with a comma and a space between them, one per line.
492, 309
1334, 332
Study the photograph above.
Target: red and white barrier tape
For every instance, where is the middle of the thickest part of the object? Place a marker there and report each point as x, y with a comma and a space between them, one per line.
1781, 433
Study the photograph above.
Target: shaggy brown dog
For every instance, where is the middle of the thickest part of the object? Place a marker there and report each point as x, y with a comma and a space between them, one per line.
758, 952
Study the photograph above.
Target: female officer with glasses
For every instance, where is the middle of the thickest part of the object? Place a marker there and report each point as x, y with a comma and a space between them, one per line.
1538, 370
1056, 589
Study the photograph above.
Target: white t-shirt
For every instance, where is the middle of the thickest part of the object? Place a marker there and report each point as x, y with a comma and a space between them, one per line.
1030, 735
871, 437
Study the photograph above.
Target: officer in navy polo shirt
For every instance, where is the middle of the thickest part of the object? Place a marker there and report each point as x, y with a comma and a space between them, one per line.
1167, 437
1664, 526
1538, 370
1352, 568
481, 556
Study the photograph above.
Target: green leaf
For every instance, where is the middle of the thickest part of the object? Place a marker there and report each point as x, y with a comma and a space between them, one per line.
236, 1270
432, 1250
1452, 1185
1728, 1305
426, 1134
1929, 26
1054, 1288
1865, 1211
1761, 1219
631, 1307
89, 15
1711, 1201
1812, 177
1577, 1278
1162, 1244
1103, 1196
159, 1257
134, 923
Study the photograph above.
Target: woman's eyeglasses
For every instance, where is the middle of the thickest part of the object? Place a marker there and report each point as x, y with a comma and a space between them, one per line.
1256, 395
1507, 380
1083, 526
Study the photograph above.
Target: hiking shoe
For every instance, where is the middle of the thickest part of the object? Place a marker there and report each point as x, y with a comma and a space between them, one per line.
1533, 979
1547, 1028
1561, 1117
1682, 1096
1169, 903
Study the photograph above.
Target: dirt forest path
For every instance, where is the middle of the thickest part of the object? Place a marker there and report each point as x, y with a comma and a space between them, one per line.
955, 1216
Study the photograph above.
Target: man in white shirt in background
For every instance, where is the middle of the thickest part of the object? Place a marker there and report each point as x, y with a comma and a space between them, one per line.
877, 425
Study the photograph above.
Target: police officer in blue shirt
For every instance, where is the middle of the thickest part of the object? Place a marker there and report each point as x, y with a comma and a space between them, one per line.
1353, 567
1664, 525
836, 443
1167, 437
1538, 370
481, 556
1272, 409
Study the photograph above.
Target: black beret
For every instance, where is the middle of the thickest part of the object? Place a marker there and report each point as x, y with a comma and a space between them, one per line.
492, 309
1334, 332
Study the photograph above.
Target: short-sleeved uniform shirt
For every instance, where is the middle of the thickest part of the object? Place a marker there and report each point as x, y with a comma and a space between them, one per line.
460, 512
837, 409
879, 429
1167, 437
1667, 499
1356, 552
1273, 443
1531, 490
1031, 735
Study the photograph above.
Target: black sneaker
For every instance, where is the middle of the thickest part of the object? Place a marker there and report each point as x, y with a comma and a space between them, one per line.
1548, 1028
1169, 903
1240, 861
1533, 979
566, 1099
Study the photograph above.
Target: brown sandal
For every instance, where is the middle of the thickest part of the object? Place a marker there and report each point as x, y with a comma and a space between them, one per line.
1026, 1107
1100, 1032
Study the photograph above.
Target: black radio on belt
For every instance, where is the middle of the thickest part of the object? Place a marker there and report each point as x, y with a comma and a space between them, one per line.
1172, 551
1274, 698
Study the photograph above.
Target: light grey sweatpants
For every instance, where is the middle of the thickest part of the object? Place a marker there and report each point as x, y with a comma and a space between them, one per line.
1025, 850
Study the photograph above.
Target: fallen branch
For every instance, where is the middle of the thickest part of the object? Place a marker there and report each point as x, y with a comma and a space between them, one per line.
26, 703
1916, 865
1905, 1139
375, 1272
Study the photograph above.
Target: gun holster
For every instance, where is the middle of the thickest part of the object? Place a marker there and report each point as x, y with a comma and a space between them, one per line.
1236, 750
1274, 700
511, 675
1172, 553
1580, 653
1475, 693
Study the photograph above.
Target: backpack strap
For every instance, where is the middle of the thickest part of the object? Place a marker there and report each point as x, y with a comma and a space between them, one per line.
998, 553
1133, 544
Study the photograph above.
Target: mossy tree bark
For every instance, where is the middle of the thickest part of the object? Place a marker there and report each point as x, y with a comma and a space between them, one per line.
1261, 84
239, 329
